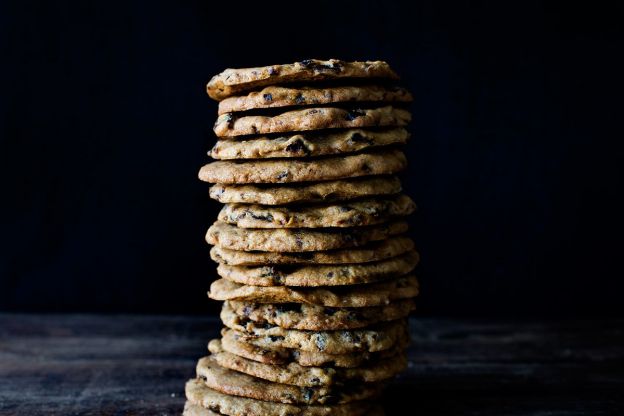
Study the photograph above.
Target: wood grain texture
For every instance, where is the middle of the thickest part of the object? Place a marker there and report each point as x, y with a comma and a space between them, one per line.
137, 365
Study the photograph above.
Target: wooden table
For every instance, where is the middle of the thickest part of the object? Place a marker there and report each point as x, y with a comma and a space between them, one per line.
137, 365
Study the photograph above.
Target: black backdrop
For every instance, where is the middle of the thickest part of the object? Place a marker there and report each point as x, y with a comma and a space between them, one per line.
516, 157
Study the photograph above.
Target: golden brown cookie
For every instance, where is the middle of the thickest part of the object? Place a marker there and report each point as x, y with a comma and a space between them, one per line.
375, 251
356, 296
304, 170
328, 191
308, 144
316, 118
285, 96
236, 81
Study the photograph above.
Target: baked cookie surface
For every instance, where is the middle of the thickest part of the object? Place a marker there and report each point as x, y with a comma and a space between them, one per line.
320, 275
329, 191
232, 343
301, 170
298, 239
283, 96
201, 395
313, 317
316, 118
374, 251
307, 144
228, 380
346, 214
235, 81
356, 296
318, 378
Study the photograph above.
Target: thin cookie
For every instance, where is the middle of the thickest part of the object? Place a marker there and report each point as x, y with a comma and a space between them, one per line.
316, 118
307, 144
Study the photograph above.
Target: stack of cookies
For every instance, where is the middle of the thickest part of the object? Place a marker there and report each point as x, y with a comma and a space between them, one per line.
316, 270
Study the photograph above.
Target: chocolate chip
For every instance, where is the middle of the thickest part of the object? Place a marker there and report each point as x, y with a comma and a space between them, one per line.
308, 63
330, 274
299, 99
321, 341
298, 241
229, 120
353, 114
267, 97
297, 146
275, 338
358, 138
263, 217
308, 393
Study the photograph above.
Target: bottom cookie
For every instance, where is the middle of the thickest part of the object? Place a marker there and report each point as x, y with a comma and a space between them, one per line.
200, 395
191, 409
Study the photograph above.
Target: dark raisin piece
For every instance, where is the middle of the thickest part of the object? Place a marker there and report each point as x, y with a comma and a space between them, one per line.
267, 97
330, 311
275, 338
330, 274
273, 71
282, 175
247, 310
366, 168
353, 114
345, 209
316, 381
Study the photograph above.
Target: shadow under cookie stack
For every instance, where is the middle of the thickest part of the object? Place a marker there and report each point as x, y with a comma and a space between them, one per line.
314, 262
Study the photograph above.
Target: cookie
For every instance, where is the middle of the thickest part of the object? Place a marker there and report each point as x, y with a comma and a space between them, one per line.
236, 81
357, 296
314, 318
232, 343
298, 240
374, 338
340, 190
316, 118
284, 96
201, 395
228, 380
346, 214
317, 275
375, 251
308, 144
303, 170
315, 377
191, 409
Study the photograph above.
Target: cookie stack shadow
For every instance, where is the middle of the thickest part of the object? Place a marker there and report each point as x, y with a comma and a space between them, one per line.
316, 272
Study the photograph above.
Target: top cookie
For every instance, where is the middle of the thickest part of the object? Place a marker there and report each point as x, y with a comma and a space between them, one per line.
235, 81
277, 96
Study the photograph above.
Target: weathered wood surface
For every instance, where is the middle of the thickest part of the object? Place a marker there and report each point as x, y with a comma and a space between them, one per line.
137, 365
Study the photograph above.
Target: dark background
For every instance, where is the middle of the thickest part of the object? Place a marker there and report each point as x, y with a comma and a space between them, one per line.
516, 157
